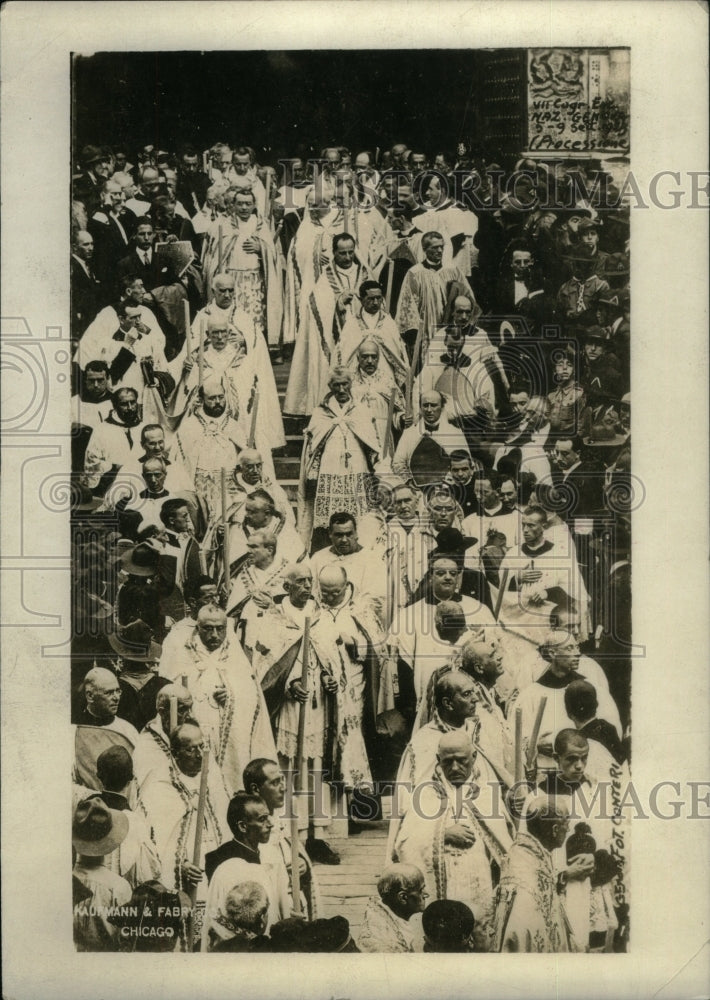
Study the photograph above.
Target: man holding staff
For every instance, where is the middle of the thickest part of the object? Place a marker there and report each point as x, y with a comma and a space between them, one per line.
228, 701
187, 812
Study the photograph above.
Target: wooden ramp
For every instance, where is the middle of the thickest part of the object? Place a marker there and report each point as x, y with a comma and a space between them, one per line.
346, 888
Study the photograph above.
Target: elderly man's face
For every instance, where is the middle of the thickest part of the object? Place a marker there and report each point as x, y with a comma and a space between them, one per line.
491, 663
218, 337
405, 504
154, 473
300, 587
114, 196
462, 313
442, 512
126, 407
214, 402
343, 538
257, 513
444, 579
95, 384
341, 389
369, 359
332, 160
332, 593
84, 246
212, 630
461, 704
456, 765
372, 301
104, 698
344, 254
431, 408
260, 554
154, 441
189, 755
251, 470
418, 162
434, 250
564, 658
223, 290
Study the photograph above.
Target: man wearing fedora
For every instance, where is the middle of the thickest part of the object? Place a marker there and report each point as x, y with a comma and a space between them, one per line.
97, 832
600, 374
580, 292
96, 169
138, 681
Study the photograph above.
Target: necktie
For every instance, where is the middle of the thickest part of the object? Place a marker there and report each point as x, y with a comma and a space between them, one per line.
145, 258
580, 297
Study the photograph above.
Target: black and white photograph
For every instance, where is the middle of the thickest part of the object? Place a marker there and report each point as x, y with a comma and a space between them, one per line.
352, 650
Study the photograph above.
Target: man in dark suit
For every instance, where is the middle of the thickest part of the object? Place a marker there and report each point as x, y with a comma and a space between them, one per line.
87, 293
112, 227
192, 183
577, 479
142, 261
96, 168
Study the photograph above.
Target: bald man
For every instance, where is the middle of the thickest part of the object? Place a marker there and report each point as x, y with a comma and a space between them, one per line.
349, 635
483, 660
152, 754
455, 700
374, 383
208, 441
529, 913
255, 359
228, 700
386, 926
449, 834
464, 365
98, 727
370, 323
278, 665
434, 424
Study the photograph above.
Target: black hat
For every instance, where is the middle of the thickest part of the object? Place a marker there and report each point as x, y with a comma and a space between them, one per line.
96, 829
595, 332
141, 560
616, 264
448, 924
135, 642
93, 154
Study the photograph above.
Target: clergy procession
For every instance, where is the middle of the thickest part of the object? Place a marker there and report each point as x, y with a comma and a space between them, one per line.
351, 550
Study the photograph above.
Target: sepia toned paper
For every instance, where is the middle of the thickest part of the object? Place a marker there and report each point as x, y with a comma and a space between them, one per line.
670, 955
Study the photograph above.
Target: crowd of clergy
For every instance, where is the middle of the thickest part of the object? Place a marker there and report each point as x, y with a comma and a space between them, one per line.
427, 628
